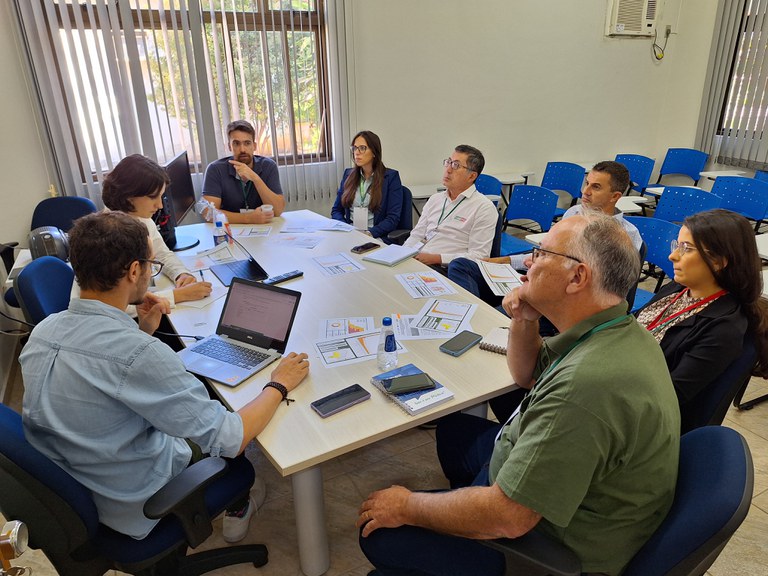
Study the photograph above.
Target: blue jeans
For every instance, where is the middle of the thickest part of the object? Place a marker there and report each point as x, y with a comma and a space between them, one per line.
464, 447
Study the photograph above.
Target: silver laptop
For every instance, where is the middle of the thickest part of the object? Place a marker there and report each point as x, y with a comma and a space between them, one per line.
252, 333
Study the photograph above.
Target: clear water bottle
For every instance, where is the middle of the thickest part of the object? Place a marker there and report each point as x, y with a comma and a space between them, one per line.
386, 356
219, 235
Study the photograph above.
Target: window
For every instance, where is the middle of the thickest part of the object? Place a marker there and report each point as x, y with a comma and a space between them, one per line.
162, 76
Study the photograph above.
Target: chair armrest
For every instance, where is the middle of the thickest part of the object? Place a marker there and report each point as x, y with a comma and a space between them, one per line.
535, 554
184, 497
6, 253
398, 236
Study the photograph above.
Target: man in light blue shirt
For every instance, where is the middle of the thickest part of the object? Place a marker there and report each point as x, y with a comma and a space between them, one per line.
114, 406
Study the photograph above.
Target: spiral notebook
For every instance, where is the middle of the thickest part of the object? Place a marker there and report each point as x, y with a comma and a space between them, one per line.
495, 341
413, 402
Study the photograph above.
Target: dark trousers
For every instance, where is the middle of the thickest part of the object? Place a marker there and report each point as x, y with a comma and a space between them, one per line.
464, 447
466, 273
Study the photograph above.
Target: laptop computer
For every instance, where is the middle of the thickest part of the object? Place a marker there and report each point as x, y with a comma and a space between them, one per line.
253, 331
248, 269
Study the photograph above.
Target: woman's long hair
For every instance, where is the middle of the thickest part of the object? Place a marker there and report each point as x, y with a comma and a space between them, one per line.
726, 242
352, 183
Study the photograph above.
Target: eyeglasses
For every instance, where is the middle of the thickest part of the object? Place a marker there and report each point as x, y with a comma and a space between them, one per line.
536, 252
361, 149
455, 165
682, 247
155, 265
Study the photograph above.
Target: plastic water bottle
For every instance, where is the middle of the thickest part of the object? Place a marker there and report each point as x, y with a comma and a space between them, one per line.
386, 356
219, 235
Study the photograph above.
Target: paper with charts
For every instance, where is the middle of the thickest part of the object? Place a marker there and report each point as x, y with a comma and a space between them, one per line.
335, 327
501, 278
425, 284
445, 316
335, 264
316, 225
207, 258
256, 231
297, 240
350, 349
406, 329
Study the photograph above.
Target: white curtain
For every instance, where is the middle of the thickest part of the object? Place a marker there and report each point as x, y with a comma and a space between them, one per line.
160, 76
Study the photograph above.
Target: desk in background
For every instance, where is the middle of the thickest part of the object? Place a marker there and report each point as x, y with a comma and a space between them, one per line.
297, 440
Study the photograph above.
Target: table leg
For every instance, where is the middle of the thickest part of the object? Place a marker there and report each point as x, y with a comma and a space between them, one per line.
309, 509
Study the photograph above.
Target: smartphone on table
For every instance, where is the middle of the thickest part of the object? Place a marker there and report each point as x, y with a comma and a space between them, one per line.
340, 400
367, 247
410, 383
460, 343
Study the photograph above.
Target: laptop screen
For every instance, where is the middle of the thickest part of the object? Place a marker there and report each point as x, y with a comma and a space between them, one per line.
257, 308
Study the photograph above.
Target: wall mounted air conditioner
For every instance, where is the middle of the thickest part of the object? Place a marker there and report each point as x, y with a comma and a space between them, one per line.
632, 17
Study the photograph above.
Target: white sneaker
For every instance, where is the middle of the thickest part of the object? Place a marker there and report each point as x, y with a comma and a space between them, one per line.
235, 525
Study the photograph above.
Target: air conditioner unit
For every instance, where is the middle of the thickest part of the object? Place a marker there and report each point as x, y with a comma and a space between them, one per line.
632, 17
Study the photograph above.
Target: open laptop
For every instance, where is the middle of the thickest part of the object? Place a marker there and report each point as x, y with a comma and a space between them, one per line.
253, 331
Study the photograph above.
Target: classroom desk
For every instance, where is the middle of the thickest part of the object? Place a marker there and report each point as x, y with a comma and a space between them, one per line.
714, 174
508, 181
297, 440
762, 245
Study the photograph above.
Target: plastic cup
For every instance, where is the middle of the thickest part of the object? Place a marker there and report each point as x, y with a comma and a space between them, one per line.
267, 210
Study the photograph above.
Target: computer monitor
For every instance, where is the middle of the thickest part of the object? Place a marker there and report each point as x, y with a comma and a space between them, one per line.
181, 194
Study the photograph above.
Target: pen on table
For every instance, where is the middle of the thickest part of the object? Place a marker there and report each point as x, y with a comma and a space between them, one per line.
201, 275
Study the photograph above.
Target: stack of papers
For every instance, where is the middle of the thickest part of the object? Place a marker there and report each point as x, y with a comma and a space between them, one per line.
391, 255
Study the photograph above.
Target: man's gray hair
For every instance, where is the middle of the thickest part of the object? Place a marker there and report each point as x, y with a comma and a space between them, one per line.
475, 158
606, 248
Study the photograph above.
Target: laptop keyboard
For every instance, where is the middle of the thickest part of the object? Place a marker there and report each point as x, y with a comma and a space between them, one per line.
231, 353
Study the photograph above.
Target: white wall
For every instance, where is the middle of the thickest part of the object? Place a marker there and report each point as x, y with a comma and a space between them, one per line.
526, 81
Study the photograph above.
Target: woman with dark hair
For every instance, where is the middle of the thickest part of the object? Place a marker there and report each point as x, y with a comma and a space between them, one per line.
135, 186
700, 319
370, 194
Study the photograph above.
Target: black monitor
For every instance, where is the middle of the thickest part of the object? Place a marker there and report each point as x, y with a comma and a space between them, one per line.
178, 200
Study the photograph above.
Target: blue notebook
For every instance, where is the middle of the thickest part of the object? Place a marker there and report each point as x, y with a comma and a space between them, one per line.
413, 402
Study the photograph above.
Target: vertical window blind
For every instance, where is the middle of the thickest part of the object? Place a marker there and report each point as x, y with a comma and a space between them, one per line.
160, 76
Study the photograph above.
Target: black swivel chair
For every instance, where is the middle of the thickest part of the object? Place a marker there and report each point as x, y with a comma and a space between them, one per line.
62, 519
404, 227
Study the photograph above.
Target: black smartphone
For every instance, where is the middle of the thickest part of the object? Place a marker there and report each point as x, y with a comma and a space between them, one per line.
460, 343
410, 383
367, 247
340, 400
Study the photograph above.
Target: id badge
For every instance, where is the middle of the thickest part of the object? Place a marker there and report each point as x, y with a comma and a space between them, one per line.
431, 234
360, 217
246, 210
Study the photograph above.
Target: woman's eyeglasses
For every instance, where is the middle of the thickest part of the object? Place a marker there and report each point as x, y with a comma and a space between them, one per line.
682, 248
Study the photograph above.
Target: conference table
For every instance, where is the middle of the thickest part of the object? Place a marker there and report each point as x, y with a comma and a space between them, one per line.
297, 441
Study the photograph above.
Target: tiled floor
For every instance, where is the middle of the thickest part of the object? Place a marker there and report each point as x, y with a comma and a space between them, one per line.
409, 459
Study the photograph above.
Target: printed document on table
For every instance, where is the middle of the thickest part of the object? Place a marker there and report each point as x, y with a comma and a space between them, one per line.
350, 349
501, 278
216, 293
335, 327
335, 264
307, 241
316, 225
445, 316
257, 231
425, 284
406, 329
207, 258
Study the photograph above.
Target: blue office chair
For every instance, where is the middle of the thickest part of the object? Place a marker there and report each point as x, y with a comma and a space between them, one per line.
564, 176
678, 202
43, 288
527, 203
489, 186
747, 196
657, 235
685, 161
61, 211
63, 522
404, 227
712, 497
640, 170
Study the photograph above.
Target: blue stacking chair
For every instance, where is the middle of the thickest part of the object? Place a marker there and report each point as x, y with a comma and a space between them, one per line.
657, 235
489, 186
678, 202
713, 494
63, 521
685, 161
761, 175
527, 203
43, 288
564, 176
640, 170
747, 196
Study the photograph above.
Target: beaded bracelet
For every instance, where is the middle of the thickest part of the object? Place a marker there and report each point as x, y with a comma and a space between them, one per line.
280, 388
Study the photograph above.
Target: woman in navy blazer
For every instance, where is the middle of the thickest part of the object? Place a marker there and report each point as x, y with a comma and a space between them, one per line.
701, 318
372, 185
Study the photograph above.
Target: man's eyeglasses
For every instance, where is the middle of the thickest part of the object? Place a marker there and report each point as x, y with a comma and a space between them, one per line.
536, 252
682, 247
361, 149
455, 165
155, 266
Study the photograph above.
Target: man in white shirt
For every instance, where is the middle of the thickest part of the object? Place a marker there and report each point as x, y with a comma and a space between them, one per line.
459, 222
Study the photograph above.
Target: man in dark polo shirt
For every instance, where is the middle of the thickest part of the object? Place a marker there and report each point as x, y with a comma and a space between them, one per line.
239, 185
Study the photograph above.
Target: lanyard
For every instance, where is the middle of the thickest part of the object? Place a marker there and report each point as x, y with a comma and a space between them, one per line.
439, 220
244, 187
363, 190
657, 322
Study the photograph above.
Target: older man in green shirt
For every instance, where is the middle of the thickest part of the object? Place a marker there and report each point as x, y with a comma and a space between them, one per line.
590, 458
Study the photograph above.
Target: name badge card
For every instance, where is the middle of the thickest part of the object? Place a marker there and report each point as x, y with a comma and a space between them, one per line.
360, 217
